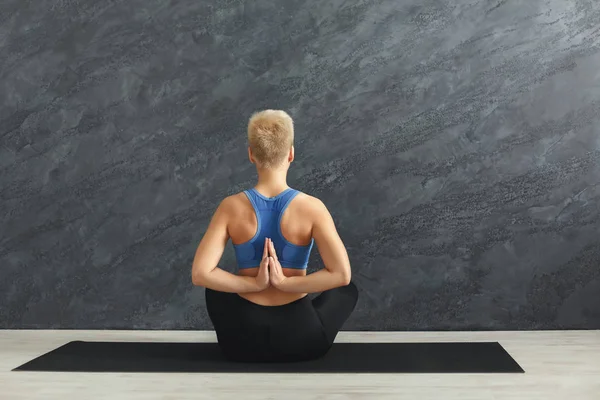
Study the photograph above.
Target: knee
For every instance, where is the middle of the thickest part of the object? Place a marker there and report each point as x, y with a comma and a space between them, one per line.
351, 289
354, 289
211, 296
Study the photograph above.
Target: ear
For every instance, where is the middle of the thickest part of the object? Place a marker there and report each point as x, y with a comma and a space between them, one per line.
291, 155
250, 155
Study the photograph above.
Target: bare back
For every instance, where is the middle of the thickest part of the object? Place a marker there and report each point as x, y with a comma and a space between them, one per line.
297, 224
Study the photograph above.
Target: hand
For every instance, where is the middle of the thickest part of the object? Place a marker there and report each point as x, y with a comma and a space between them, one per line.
276, 276
262, 278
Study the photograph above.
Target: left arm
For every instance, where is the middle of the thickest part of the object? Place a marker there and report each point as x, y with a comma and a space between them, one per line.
337, 270
205, 270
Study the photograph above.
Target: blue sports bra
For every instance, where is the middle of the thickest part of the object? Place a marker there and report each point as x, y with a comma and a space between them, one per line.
268, 214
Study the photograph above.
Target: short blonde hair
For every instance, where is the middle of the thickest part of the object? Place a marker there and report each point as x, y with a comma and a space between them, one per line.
270, 137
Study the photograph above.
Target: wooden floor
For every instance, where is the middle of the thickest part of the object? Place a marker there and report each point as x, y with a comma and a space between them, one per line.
558, 365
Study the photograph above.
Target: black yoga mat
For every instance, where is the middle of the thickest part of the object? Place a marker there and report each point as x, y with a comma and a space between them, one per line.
488, 357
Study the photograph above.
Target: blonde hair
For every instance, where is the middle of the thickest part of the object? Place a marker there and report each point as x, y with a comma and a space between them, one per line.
270, 137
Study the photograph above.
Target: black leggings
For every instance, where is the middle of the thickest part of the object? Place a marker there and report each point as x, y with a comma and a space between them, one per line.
302, 330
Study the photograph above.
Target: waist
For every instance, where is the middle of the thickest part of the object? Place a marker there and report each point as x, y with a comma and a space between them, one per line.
272, 296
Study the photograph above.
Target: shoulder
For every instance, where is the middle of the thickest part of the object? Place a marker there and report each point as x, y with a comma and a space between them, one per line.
235, 200
231, 204
310, 205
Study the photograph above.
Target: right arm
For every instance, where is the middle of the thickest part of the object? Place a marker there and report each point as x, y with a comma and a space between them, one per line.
337, 270
205, 270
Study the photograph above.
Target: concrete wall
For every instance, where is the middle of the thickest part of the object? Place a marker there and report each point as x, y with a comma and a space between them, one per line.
456, 142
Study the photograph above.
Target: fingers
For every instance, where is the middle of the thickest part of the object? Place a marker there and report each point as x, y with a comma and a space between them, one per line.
272, 249
266, 249
274, 265
269, 249
275, 273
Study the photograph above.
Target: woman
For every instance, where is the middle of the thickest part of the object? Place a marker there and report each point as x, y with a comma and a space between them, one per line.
263, 313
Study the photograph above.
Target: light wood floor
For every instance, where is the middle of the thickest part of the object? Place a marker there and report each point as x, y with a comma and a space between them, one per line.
558, 365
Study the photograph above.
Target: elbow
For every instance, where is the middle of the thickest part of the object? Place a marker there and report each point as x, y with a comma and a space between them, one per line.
198, 279
346, 278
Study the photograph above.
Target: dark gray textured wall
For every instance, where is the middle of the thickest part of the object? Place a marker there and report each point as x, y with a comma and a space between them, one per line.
456, 142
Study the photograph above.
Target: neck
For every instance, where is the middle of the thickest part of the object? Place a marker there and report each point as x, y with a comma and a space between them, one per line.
271, 182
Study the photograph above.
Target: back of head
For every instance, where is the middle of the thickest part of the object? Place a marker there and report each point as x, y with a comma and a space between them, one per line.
270, 137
